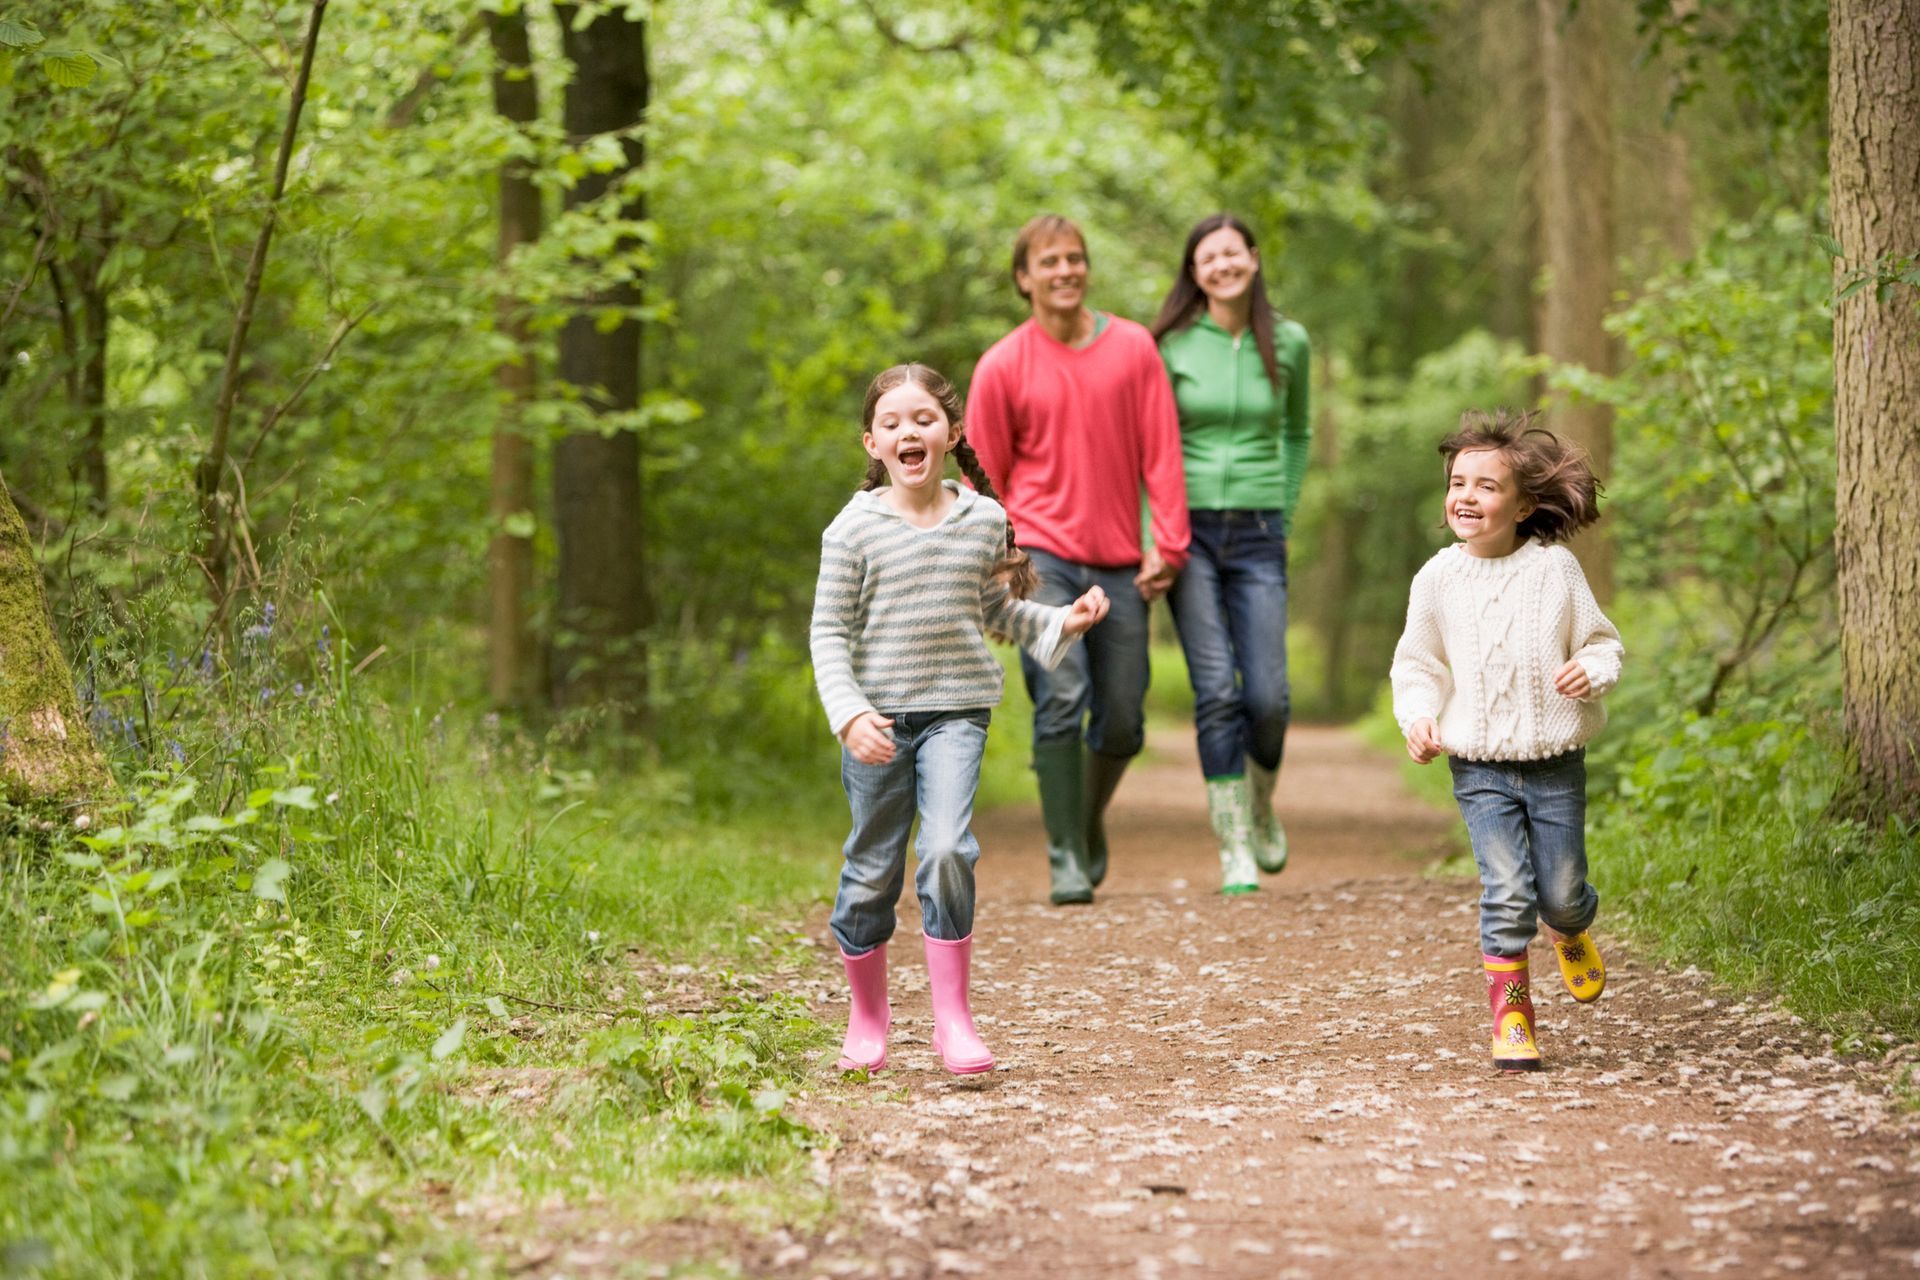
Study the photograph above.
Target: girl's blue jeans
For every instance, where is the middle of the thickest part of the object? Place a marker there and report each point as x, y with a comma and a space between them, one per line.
1230, 608
1527, 819
1102, 681
935, 771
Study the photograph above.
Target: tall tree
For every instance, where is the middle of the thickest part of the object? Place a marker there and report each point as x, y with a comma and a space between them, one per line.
1576, 230
1874, 100
511, 654
603, 597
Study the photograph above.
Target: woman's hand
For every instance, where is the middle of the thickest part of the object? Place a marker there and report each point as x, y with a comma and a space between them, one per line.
866, 738
1423, 740
1084, 612
1571, 681
1154, 579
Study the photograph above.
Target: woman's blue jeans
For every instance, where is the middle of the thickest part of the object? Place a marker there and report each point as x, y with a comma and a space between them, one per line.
1230, 608
1102, 681
935, 771
1528, 822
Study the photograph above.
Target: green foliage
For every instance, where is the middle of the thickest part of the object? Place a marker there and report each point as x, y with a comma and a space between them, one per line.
1722, 849
293, 957
1723, 500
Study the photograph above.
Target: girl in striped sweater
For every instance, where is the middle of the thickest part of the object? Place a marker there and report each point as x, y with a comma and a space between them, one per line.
914, 573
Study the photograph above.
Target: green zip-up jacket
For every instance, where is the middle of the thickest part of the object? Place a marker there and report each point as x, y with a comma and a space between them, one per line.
1244, 444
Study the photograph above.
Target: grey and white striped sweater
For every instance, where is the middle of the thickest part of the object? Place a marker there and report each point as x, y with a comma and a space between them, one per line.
900, 613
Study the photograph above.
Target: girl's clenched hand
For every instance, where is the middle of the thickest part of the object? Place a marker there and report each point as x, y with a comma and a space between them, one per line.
1085, 611
867, 738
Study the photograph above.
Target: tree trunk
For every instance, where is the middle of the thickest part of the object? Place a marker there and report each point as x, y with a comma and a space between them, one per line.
1576, 231
596, 476
1874, 99
1333, 590
47, 753
511, 673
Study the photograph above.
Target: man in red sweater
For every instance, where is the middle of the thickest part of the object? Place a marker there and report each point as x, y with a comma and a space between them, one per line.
1072, 416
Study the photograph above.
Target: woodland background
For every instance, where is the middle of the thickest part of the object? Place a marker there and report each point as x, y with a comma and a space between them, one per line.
421, 419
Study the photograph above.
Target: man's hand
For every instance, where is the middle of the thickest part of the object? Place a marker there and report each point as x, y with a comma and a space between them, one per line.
1084, 612
1154, 578
1423, 740
866, 738
1571, 681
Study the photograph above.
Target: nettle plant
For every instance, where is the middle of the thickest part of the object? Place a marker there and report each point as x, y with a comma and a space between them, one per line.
185, 937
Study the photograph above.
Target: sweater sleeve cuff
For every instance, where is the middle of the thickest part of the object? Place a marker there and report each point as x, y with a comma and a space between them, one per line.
1051, 645
841, 715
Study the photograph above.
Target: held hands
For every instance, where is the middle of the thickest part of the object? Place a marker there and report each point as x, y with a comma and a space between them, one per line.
1084, 612
866, 738
1154, 578
1423, 740
1571, 681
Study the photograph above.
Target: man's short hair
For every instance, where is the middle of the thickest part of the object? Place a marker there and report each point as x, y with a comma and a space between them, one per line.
1048, 226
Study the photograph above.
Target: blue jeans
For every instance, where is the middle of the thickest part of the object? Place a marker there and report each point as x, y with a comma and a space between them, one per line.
1230, 608
935, 771
1103, 679
1528, 821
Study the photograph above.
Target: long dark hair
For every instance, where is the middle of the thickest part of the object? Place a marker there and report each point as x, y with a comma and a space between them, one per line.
1185, 300
1015, 569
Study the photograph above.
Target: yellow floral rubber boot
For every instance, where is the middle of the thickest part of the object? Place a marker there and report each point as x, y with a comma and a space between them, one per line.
1514, 1048
1580, 965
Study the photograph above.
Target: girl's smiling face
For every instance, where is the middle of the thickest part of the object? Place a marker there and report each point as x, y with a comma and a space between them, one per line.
1484, 504
911, 437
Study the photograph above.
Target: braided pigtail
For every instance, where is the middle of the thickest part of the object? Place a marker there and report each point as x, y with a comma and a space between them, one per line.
1015, 569
876, 475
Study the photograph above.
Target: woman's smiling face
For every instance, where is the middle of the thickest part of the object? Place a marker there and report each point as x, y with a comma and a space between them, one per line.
1223, 265
910, 435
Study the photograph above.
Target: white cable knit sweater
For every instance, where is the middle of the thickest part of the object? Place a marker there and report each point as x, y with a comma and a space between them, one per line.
1483, 639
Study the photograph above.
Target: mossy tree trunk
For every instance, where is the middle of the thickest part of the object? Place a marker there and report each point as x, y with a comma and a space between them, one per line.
47, 753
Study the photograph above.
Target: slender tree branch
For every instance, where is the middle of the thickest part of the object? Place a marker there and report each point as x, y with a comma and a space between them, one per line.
279, 411
402, 112
212, 466
889, 31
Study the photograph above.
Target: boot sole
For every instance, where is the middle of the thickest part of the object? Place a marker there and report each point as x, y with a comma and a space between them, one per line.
1239, 890
848, 1064
1072, 899
1518, 1065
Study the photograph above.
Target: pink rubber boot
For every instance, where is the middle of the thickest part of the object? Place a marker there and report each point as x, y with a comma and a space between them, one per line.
867, 1023
954, 1038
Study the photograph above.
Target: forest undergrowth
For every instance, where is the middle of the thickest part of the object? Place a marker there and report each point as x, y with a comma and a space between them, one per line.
280, 1009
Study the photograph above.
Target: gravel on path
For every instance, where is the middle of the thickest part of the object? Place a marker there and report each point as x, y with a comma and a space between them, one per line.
1295, 1083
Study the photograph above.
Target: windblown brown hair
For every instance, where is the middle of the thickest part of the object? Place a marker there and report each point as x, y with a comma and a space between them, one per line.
1015, 569
1047, 226
1552, 473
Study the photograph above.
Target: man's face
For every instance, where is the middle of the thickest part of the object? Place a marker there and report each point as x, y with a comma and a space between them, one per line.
1055, 277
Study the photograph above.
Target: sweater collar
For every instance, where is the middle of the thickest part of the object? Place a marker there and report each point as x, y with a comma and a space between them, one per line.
1465, 561
872, 500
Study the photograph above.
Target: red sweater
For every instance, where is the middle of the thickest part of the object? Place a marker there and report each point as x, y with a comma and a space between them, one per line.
1069, 435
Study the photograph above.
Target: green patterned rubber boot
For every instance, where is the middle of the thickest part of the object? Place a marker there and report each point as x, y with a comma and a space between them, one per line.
1103, 775
1063, 812
1229, 808
1269, 837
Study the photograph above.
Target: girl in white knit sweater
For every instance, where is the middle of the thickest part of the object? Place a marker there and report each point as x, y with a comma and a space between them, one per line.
1502, 666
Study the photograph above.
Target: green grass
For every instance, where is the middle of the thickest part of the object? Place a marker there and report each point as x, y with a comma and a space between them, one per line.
270, 1016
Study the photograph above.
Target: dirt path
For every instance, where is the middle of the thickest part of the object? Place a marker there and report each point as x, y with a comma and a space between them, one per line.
1295, 1083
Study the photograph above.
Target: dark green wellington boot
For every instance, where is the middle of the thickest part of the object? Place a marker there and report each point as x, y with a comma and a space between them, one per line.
1063, 810
1103, 775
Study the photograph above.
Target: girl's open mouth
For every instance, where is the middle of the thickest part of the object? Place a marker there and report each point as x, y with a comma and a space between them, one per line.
912, 456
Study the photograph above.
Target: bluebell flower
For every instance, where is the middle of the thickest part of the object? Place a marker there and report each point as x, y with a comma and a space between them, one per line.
178, 752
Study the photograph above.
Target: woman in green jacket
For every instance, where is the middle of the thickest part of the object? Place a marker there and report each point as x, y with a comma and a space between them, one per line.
1239, 374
